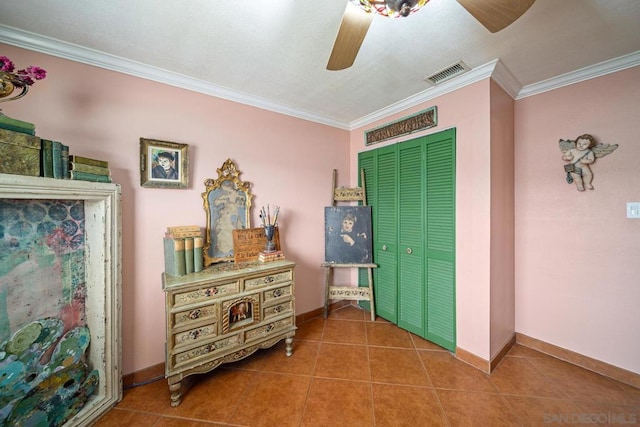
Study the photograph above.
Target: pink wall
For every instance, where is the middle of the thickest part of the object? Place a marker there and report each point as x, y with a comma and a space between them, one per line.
502, 307
103, 114
577, 255
468, 110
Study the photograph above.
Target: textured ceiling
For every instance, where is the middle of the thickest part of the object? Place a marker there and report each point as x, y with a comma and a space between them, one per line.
274, 53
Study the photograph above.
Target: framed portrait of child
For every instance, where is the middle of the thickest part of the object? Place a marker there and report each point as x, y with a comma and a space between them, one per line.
348, 234
163, 164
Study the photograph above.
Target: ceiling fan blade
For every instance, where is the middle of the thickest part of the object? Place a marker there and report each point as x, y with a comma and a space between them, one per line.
354, 26
496, 15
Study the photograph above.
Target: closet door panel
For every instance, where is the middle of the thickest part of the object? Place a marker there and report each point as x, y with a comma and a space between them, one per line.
366, 162
440, 239
385, 234
411, 281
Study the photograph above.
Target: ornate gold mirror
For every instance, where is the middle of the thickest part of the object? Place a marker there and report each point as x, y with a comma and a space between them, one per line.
227, 202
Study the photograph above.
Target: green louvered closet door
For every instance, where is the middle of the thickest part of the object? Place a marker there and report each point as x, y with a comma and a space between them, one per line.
411, 237
411, 187
440, 239
380, 168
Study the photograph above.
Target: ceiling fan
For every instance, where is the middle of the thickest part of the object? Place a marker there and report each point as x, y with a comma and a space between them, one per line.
492, 14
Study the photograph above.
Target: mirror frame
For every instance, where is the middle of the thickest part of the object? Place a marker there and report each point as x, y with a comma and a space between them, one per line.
228, 175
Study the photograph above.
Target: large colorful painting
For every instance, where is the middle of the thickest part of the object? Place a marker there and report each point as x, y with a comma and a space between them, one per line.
43, 332
42, 250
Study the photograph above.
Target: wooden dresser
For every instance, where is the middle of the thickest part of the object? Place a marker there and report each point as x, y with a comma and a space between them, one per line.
225, 313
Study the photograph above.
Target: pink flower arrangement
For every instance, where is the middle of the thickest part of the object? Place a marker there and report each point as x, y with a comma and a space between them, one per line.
27, 76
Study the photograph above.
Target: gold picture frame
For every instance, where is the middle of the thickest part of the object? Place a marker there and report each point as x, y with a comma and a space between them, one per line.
227, 203
163, 164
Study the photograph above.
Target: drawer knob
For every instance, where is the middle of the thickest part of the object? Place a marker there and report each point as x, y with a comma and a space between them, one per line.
195, 314
277, 309
278, 292
269, 279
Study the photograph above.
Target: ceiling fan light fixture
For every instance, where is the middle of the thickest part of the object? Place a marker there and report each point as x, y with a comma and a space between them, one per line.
390, 8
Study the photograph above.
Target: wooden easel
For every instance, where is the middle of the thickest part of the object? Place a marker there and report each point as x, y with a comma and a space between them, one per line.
342, 194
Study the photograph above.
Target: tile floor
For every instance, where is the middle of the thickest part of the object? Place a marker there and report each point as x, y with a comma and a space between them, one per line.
349, 371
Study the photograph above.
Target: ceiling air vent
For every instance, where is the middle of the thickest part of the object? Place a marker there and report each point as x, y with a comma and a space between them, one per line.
447, 73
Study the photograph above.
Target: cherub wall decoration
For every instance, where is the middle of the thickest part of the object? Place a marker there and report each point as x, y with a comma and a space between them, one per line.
580, 154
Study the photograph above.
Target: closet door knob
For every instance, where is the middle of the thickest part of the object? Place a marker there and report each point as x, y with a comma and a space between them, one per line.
384, 247
409, 251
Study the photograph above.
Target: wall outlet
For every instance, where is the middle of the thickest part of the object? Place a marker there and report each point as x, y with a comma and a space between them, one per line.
633, 210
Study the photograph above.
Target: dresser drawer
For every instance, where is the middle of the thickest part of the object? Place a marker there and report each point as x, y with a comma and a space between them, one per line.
268, 280
208, 351
277, 309
193, 336
205, 293
268, 329
208, 313
274, 294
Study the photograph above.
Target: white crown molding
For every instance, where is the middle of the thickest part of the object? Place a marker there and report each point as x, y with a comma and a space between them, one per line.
84, 55
506, 80
586, 73
479, 73
501, 75
494, 69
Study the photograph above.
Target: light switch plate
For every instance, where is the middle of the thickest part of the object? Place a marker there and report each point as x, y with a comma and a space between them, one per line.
633, 210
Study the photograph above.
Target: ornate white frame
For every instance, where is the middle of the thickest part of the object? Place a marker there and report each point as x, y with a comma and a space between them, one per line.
103, 272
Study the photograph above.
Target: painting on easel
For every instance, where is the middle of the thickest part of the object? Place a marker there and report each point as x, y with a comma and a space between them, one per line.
348, 234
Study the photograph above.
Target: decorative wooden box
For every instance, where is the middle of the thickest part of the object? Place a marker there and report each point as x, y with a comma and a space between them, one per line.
19, 153
225, 313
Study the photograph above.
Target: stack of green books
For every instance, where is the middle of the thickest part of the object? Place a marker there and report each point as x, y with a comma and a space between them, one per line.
16, 125
54, 159
87, 169
183, 245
